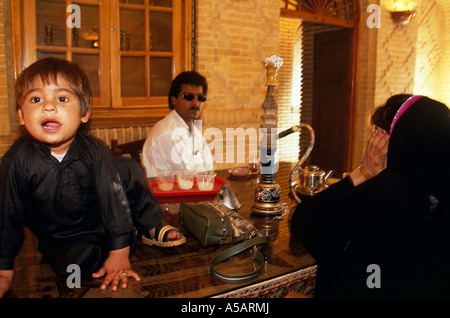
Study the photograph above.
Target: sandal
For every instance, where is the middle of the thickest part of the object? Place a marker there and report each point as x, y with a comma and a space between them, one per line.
162, 236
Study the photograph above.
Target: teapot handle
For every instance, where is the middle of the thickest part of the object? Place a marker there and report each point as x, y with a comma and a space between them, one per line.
302, 160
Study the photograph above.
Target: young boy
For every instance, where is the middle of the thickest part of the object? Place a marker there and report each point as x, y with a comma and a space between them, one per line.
83, 205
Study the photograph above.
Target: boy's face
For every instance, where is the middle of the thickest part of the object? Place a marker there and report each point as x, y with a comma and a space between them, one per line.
51, 114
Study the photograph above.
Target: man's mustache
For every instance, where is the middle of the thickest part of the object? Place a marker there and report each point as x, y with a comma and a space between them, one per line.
195, 108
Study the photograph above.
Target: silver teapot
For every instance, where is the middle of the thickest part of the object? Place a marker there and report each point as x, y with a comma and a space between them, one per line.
312, 180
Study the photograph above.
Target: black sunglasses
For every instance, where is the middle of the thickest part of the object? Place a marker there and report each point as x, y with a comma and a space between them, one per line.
190, 97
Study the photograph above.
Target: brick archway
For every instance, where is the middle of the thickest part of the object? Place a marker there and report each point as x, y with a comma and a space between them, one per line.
335, 12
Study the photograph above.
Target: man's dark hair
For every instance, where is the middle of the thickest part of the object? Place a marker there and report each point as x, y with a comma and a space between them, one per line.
188, 77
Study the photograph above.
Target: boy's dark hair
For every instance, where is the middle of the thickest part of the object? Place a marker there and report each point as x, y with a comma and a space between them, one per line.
383, 115
48, 70
188, 77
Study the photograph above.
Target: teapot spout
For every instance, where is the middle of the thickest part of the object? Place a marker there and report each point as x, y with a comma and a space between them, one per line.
327, 176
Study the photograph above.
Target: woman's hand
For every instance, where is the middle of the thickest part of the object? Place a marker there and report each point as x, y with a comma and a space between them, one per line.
117, 269
375, 158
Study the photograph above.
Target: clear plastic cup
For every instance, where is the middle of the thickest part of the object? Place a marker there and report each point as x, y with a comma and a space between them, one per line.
166, 180
205, 180
185, 179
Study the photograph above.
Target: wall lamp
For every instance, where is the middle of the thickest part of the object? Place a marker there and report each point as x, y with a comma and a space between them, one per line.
402, 11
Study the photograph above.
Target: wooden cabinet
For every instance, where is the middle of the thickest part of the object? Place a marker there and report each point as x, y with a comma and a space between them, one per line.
130, 49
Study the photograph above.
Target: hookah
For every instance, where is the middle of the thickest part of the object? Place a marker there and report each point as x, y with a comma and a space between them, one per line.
267, 192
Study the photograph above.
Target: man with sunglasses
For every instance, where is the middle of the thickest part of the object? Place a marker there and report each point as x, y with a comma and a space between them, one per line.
176, 142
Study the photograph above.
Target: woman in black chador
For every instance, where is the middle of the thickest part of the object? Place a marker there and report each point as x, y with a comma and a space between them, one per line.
384, 231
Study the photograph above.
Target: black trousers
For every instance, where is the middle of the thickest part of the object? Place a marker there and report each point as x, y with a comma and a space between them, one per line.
89, 251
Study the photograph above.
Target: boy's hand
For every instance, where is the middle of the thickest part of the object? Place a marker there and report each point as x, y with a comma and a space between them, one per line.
5, 281
117, 269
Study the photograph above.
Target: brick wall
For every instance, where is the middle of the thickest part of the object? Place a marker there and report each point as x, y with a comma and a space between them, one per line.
396, 56
387, 66
445, 66
233, 38
430, 52
121, 134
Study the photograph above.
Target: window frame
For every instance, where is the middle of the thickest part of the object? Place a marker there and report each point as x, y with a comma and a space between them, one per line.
110, 109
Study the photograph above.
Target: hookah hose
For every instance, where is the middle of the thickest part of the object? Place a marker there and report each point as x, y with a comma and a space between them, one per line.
288, 132
303, 158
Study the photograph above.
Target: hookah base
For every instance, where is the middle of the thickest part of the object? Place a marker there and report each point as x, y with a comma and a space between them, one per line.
268, 208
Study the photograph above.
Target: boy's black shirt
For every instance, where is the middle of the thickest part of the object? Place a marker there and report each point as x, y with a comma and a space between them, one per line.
80, 195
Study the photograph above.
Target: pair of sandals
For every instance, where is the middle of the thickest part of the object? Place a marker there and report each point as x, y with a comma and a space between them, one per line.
161, 237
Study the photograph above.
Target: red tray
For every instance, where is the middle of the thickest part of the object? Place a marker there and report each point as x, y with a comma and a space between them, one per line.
176, 191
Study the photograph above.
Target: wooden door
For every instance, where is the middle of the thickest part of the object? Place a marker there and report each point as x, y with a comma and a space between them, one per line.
332, 100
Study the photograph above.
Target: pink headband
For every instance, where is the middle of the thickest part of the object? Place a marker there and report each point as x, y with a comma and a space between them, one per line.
403, 109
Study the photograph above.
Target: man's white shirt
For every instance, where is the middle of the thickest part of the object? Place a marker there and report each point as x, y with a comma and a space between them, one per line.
173, 145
